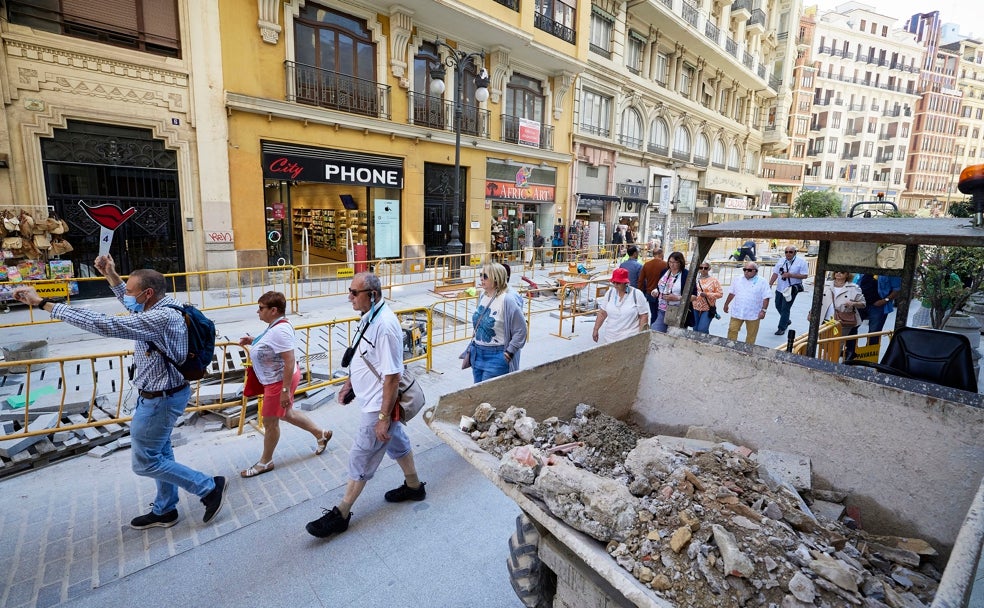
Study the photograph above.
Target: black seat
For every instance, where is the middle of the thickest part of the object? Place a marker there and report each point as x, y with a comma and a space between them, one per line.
940, 357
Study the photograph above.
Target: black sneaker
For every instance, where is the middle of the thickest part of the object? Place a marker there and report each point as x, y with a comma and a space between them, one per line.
150, 520
213, 500
405, 492
330, 523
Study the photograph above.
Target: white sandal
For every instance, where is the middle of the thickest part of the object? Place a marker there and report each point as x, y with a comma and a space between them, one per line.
257, 469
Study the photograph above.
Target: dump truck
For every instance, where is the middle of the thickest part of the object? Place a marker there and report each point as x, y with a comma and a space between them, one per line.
908, 454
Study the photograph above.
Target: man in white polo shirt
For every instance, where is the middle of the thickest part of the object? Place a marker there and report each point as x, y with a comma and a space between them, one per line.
750, 295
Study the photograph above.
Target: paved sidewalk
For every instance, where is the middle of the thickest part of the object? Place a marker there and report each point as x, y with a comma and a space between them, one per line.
64, 533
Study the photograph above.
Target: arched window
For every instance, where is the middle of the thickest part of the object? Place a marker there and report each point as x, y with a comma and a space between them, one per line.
751, 162
718, 159
659, 138
702, 150
335, 63
734, 158
681, 143
631, 135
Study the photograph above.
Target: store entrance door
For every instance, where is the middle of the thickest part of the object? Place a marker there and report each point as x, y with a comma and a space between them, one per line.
439, 195
438, 217
125, 167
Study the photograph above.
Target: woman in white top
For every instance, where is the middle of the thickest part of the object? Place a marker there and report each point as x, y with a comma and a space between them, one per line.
272, 356
841, 295
623, 311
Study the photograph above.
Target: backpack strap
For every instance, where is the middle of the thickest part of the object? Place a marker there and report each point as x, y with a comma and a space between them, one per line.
153, 347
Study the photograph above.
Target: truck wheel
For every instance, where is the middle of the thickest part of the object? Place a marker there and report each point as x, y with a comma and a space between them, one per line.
532, 581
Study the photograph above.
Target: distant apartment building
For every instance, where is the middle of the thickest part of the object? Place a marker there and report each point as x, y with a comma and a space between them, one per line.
969, 147
932, 146
675, 111
865, 89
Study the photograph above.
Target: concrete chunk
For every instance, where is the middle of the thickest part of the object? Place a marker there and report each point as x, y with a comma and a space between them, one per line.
100, 451
11, 447
831, 511
778, 467
210, 427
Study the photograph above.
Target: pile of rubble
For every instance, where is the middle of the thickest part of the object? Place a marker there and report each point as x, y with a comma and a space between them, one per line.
704, 523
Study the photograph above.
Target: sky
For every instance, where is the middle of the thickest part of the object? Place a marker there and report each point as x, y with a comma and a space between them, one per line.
969, 14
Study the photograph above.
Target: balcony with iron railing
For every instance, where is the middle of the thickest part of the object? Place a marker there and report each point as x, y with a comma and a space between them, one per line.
712, 31
437, 113
635, 143
741, 6
326, 89
756, 23
690, 14
555, 28
701, 161
855, 107
747, 59
717, 165
683, 155
658, 149
596, 130
511, 132
886, 136
731, 47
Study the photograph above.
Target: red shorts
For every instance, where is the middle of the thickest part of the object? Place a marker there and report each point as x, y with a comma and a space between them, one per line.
271, 397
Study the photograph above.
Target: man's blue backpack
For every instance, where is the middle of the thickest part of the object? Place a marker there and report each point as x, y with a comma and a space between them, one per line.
201, 343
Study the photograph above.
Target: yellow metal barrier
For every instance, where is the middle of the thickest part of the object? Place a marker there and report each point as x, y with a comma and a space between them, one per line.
332, 336
830, 343
94, 376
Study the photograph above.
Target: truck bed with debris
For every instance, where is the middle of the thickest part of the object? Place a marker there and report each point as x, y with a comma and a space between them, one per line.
906, 458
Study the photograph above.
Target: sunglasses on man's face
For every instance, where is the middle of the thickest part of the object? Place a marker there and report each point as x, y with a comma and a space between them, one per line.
705, 267
355, 292
749, 269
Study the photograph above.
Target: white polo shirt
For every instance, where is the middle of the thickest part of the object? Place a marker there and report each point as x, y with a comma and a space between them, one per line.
382, 345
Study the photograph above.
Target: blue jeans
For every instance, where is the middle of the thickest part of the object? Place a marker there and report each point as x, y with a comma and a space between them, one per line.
876, 322
660, 323
702, 321
151, 453
488, 362
784, 308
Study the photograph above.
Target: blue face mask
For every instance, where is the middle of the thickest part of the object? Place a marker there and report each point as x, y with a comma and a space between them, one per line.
131, 304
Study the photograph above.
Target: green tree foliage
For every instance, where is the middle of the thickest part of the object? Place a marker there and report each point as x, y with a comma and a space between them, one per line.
961, 208
947, 277
817, 204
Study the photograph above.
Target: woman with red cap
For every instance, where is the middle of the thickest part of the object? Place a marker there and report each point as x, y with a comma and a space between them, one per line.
623, 311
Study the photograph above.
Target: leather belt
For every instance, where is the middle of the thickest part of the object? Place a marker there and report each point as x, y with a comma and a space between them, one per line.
164, 393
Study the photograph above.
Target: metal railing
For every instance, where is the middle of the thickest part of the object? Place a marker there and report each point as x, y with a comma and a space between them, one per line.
327, 89
437, 113
555, 28
511, 132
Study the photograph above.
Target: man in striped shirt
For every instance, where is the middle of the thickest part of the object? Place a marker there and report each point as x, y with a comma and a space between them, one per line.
163, 391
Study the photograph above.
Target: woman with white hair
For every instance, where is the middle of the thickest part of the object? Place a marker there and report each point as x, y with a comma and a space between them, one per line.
500, 329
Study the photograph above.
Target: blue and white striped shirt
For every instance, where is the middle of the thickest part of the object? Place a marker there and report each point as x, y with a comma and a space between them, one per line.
163, 326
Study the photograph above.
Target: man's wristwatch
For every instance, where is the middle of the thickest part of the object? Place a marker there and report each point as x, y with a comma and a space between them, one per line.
43, 302
383, 416
283, 390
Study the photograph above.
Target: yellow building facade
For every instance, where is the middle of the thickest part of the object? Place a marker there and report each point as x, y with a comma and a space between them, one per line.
337, 145
115, 109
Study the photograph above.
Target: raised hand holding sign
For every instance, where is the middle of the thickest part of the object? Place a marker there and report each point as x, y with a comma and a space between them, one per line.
109, 217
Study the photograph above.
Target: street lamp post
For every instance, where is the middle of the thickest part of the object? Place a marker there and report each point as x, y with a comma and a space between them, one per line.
458, 61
